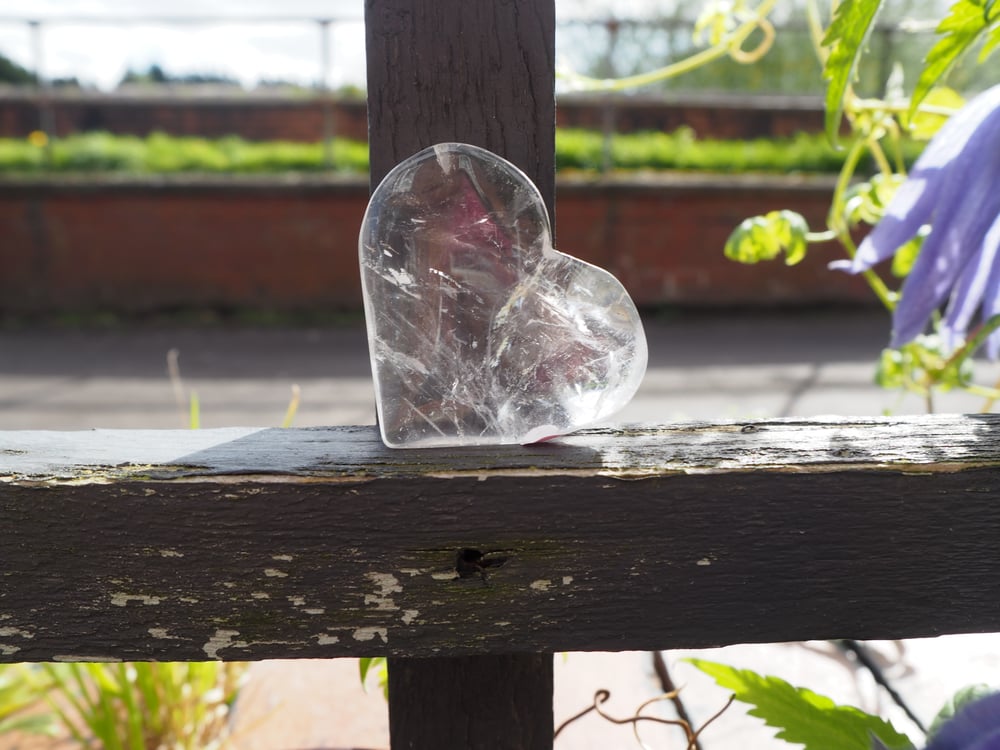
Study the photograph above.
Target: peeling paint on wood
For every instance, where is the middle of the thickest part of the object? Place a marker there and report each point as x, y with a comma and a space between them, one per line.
611, 539
243, 461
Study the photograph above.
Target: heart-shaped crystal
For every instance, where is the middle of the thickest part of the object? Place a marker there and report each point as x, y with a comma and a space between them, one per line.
480, 332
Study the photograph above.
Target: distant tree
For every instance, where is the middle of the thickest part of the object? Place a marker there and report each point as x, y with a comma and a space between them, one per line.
351, 91
11, 72
155, 74
204, 78
69, 82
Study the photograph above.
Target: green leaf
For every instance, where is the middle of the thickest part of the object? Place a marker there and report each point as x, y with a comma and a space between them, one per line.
366, 664
845, 39
965, 22
41, 724
890, 371
791, 230
751, 242
956, 703
924, 125
764, 237
906, 255
991, 43
381, 666
22, 702
867, 201
802, 716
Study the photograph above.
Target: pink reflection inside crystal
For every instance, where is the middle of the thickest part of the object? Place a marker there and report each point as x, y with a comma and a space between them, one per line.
480, 332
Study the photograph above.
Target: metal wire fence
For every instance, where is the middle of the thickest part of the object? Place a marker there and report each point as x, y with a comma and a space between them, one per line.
318, 55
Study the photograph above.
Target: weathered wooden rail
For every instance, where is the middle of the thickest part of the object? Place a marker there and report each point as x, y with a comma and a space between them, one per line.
265, 543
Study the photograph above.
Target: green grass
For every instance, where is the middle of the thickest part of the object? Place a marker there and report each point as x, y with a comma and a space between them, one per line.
122, 706
578, 150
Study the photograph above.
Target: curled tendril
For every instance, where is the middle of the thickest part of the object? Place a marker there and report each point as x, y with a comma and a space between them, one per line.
748, 56
730, 43
602, 696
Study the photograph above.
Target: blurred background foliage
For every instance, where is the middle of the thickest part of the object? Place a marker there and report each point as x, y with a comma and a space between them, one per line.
601, 39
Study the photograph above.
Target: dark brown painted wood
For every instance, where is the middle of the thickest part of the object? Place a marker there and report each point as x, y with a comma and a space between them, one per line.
520, 683
473, 72
484, 74
244, 544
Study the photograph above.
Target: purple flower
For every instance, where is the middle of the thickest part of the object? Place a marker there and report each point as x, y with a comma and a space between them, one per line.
975, 726
955, 188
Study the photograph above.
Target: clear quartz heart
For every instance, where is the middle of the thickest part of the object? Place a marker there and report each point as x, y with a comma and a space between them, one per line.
480, 332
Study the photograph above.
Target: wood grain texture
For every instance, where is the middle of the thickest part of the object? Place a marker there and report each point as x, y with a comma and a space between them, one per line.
453, 70
251, 544
495, 704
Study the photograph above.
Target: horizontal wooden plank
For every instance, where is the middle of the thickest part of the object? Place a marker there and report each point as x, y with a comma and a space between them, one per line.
266, 543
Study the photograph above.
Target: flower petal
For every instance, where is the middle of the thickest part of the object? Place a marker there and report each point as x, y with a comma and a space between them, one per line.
976, 726
961, 130
991, 294
968, 207
937, 181
974, 284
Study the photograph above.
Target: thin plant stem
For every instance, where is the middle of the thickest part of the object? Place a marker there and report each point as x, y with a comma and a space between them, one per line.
668, 686
816, 31
860, 652
293, 406
963, 353
723, 47
836, 221
880, 158
991, 400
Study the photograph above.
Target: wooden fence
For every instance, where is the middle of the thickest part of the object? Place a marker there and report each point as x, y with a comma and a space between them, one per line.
470, 567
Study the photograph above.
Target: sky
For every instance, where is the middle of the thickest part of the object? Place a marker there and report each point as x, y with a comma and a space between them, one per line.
99, 53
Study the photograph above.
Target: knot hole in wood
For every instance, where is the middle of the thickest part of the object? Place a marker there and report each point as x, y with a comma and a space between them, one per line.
471, 562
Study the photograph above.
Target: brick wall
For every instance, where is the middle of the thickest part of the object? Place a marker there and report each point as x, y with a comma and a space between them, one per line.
275, 244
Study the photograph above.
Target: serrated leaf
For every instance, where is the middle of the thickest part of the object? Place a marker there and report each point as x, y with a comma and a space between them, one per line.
802, 716
845, 39
965, 22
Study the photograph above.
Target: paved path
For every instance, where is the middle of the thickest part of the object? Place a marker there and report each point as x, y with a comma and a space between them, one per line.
701, 367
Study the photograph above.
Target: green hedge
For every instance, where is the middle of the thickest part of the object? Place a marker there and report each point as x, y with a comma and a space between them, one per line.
575, 150
160, 154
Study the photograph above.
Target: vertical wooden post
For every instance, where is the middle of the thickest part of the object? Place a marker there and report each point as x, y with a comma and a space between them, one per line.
454, 70
476, 702
480, 73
